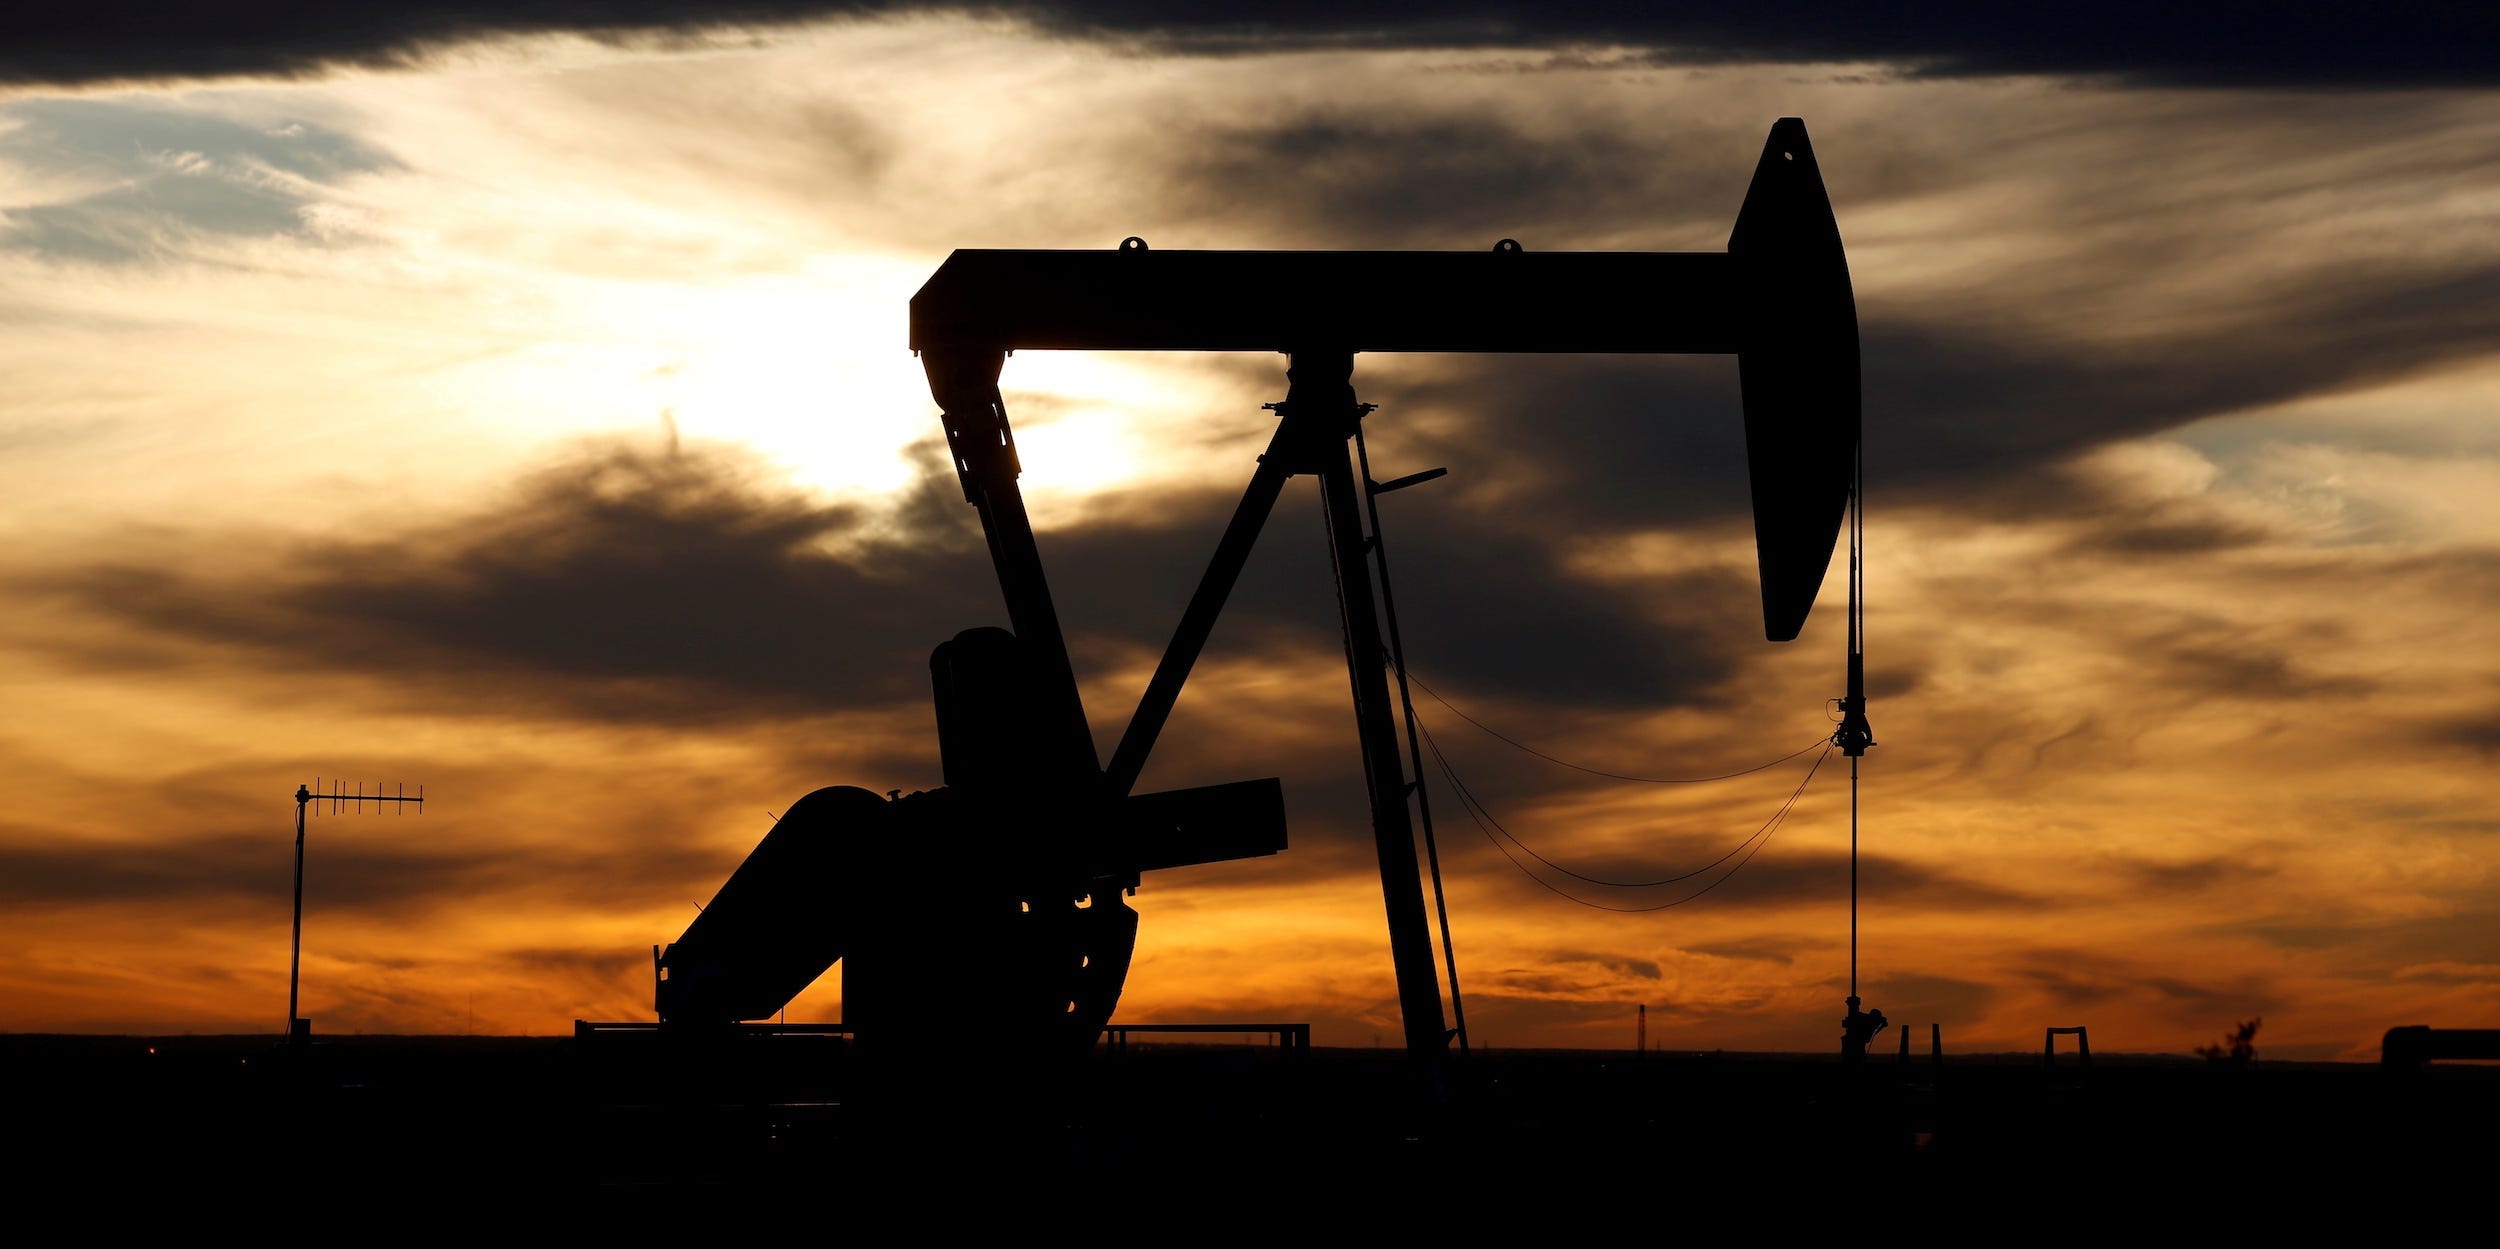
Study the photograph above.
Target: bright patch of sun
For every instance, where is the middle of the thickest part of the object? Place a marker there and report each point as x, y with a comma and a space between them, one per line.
812, 371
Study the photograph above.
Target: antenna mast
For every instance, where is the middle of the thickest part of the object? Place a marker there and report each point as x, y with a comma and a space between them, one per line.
298, 1028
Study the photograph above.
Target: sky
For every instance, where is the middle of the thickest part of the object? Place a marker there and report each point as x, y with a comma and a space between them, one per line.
521, 408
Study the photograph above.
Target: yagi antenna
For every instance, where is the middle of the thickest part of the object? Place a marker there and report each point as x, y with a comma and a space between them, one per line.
396, 800
343, 802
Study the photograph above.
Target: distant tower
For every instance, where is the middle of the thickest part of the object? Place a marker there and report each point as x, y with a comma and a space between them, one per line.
1640, 1031
299, 1029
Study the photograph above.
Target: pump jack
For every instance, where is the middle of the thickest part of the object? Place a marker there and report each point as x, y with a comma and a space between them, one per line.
1037, 841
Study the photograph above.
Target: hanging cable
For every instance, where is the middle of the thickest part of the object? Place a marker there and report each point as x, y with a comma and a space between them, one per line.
1476, 804
1483, 816
1505, 738
1406, 700
1761, 839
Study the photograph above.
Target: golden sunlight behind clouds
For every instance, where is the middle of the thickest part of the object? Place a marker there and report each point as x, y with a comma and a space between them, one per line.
538, 424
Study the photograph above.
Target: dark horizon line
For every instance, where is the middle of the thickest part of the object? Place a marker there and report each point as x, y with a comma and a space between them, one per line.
1879, 1057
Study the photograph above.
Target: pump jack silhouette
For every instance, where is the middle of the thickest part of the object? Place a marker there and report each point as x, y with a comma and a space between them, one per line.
1005, 887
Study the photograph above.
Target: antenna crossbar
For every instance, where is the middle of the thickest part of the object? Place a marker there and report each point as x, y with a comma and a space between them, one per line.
343, 801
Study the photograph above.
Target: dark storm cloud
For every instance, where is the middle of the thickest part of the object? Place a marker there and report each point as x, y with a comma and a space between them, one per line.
2195, 875
59, 873
1439, 181
643, 585
1907, 998
1946, 410
1955, 416
1775, 879
141, 39
2480, 734
620, 980
1808, 877
1487, 605
1620, 964
211, 849
685, 587
2243, 42
1753, 950
2456, 974
1968, 390
2239, 43
250, 872
2255, 672
2169, 531
1608, 440
2077, 978
2073, 990
2466, 932
1959, 410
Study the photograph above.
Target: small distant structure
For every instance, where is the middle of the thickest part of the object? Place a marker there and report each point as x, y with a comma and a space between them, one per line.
1291, 1040
2083, 1045
1640, 1030
1935, 1045
2407, 1048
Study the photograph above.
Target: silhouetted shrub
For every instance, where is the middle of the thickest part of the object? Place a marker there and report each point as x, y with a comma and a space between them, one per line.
2239, 1049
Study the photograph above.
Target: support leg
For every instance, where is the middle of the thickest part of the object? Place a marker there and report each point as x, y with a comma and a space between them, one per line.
1322, 394
1128, 760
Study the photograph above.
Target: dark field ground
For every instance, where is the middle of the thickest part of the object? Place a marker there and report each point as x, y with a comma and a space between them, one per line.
767, 1135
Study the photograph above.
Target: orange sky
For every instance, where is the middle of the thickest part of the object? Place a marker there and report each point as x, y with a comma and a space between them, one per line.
531, 419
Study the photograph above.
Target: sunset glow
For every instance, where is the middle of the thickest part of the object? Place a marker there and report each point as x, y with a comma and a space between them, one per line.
534, 420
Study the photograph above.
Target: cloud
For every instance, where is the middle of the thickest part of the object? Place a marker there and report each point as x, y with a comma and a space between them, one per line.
2474, 974
1777, 879
690, 585
1752, 949
2120, 281
1969, 414
1909, 999
1394, 179
2478, 733
2236, 871
2076, 979
2034, 328
1620, 964
626, 582
156, 176
2229, 44
2460, 924
2237, 44
139, 39
222, 874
